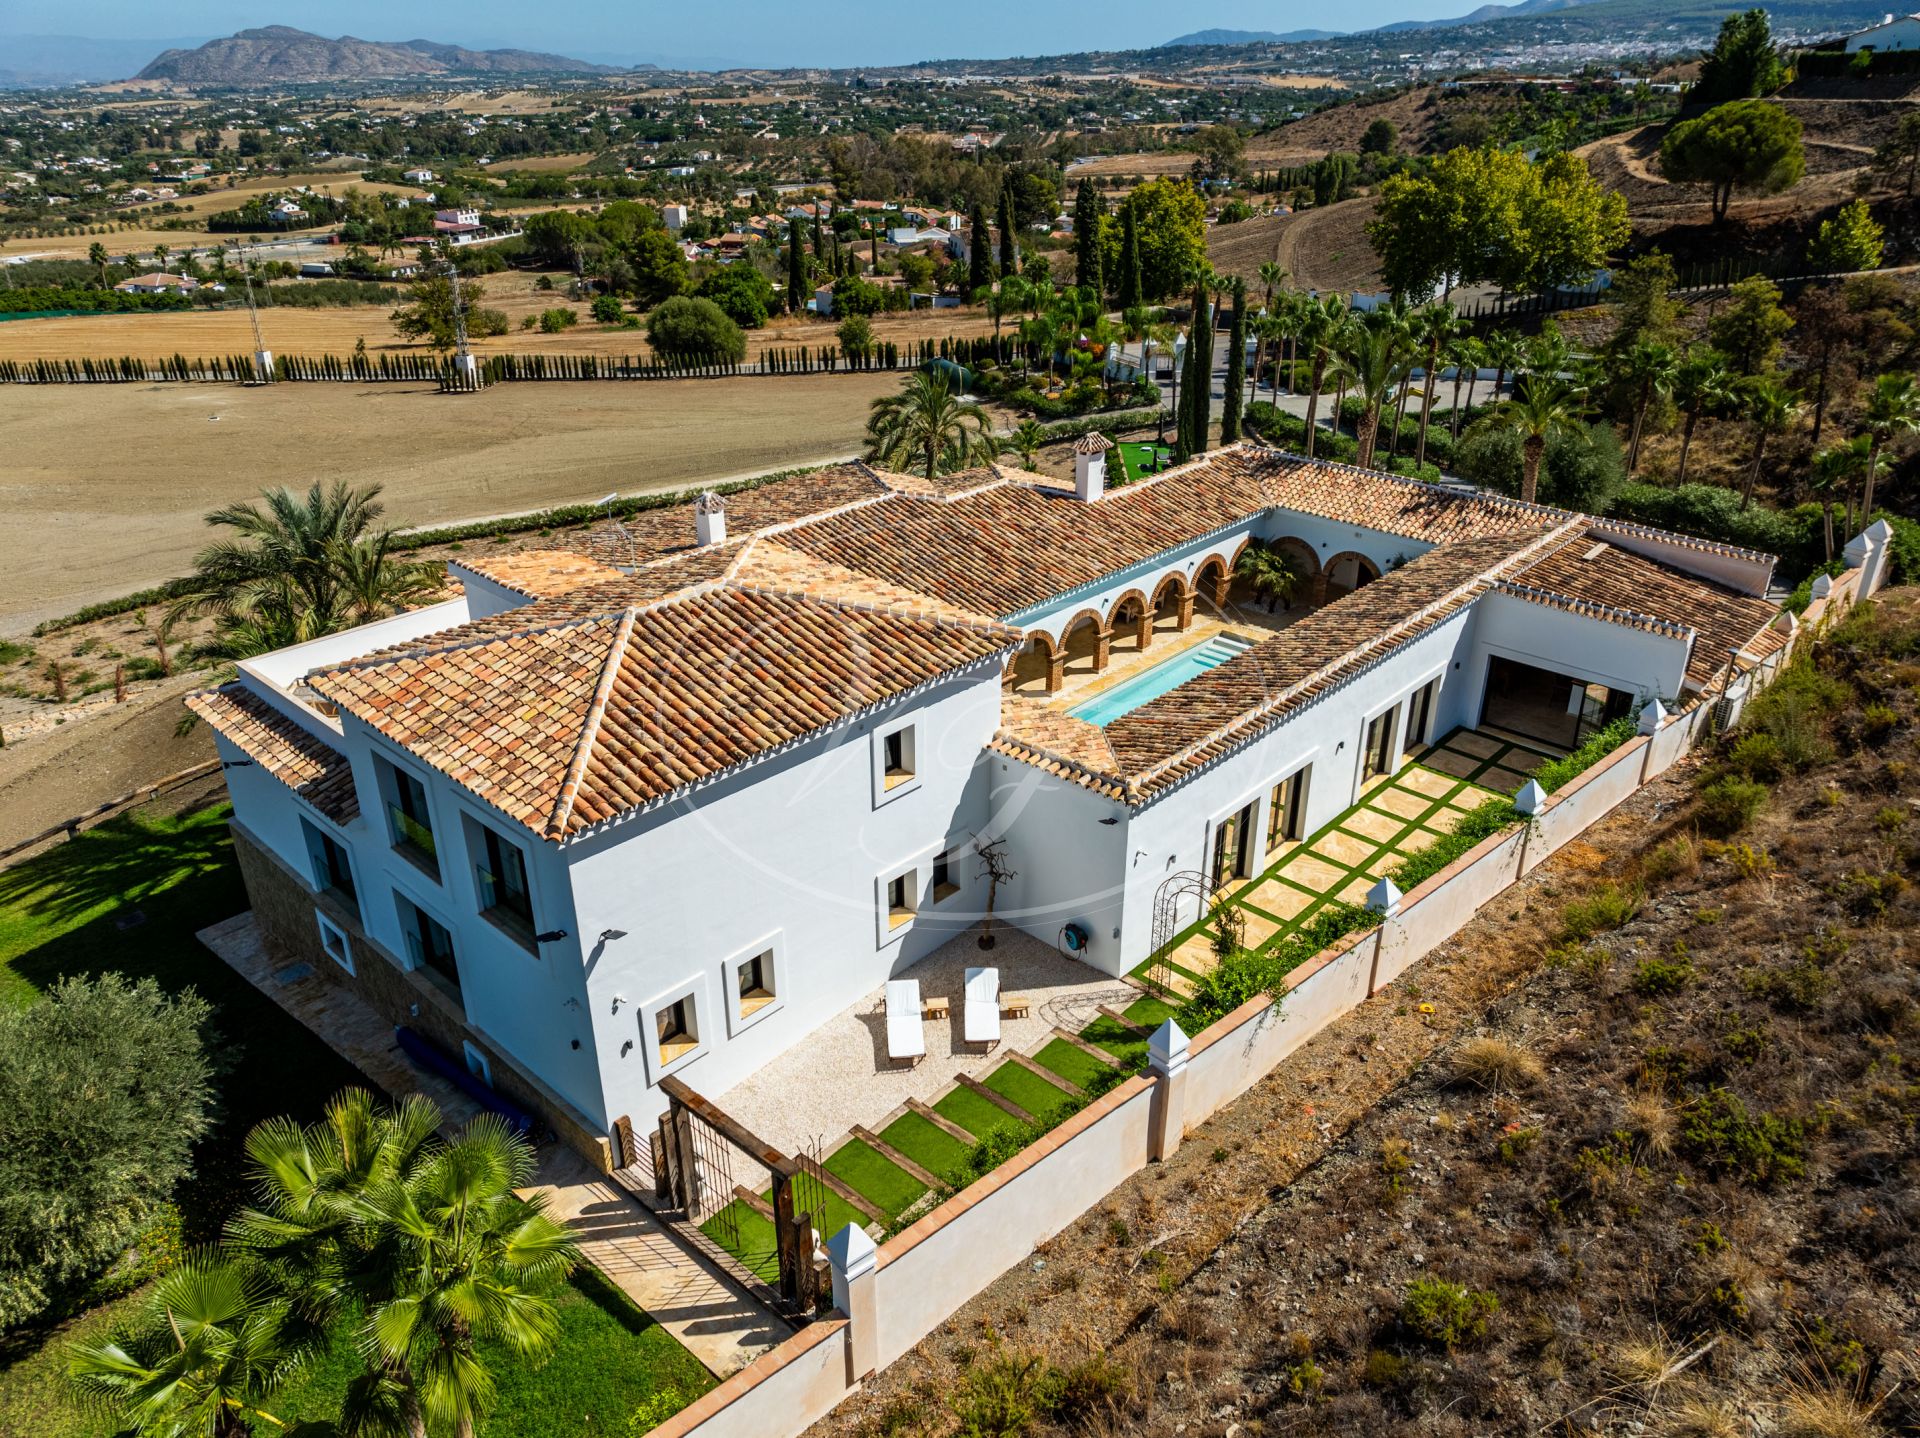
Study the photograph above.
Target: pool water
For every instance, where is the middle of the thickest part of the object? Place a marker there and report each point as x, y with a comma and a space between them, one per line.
1103, 709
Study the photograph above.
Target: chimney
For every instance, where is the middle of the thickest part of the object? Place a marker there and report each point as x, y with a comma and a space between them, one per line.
710, 519
1090, 467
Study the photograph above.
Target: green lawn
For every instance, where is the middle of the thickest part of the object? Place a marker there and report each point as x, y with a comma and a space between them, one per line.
1075, 1065
1131, 456
973, 1113
129, 895
1026, 1088
932, 1148
861, 1168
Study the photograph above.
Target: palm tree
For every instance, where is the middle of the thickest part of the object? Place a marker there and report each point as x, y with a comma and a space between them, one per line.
1542, 406
1472, 353
1832, 473
1268, 329
1026, 439
302, 566
97, 257
1464, 355
1272, 277
1441, 327
1703, 385
1650, 368
925, 425
1503, 352
1893, 409
1271, 574
1321, 322
1376, 350
1771, 409
426, 1238
210, 1347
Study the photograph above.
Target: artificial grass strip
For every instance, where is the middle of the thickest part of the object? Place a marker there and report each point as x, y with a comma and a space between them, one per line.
1149, 1012
973, 1113
932, 1148
861, 1168
748, 1237
1126, 1048
1029, 1090
1075, 1065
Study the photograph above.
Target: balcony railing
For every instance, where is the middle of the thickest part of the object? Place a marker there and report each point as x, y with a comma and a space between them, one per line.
410, 833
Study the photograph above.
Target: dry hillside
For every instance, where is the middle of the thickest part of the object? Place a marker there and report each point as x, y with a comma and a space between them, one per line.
1323, 250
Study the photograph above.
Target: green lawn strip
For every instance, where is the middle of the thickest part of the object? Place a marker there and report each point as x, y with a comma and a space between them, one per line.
973, 1113
862, 1169
927, 1145
1149, 1012
1123, 1045
1075, 1065
1033, 1093
747, 1236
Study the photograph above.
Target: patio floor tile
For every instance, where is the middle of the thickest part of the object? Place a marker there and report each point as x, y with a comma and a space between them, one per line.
1416, 841
1449, 762
1503, 779
1278, 898
1400, 801
1259, 928
1356, 892
1478, 745
1372, 824
1423, 781
1315, 874
1446, 820
1344, 849
1385, 864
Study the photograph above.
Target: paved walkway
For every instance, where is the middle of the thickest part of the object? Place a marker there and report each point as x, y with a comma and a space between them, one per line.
716, 1321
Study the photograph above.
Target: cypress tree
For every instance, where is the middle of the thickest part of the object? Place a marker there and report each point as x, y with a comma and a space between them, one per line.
1200, 375
1236, 365
1009, 251
1088, 212
1131, 291
819, 237
796, 270
979, 260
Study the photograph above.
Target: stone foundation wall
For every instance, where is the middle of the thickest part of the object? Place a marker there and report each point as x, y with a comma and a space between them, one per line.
284, 908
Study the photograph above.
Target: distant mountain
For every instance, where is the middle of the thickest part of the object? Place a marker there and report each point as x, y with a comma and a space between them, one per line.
1484, 15
1252, 37
35, 60
279, 54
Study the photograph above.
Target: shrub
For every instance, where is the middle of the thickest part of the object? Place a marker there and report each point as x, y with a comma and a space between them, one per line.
1447, 1314
1759, 1149
1672, 859
1482, 823
607, 309
1607, 907
1655, 978
1729, 804
1493, 1063
556, 319
1558, 773
1248, 974
689, 328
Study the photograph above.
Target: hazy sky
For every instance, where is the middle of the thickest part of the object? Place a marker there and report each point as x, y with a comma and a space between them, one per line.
757, 32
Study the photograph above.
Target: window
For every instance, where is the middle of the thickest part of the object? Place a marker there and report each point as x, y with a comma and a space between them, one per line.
429, 945
945, 886
753, 983
409, 824
895, 762
1379, 755
1284, 809
504, 896
332, 869
1231, 838
478, 1064
333, 939
1420, 713
677, 1030
900, 900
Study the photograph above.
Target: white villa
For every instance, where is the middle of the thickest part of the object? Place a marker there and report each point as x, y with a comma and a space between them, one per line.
668, 806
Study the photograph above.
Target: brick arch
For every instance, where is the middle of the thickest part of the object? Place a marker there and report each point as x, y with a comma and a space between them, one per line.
1135, 630
1212, 591
1082, 654
1030, 670
1300, 552
1366, 572
1172, 606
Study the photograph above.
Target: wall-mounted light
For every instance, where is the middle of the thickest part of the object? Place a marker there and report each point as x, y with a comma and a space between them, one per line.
552, 936
1110, 820
236, 763
626, 1048
618, 999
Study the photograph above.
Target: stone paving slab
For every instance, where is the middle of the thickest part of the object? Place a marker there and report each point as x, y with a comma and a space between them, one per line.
1315, 874
1344, 849
1399, 802
1381, 828
1279, 898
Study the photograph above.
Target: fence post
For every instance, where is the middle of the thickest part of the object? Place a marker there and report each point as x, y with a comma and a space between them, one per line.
1167, 1062
854, 1262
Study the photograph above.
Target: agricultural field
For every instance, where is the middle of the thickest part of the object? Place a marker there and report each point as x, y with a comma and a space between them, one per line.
125, 509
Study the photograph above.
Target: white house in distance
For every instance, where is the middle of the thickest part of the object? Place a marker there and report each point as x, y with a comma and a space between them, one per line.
1896, 32
667, 807
158, 283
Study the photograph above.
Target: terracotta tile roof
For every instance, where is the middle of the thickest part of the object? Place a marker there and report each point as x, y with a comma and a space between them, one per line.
657, 533
575, 722
1642, 593
1398, 505
537, 573
312, 768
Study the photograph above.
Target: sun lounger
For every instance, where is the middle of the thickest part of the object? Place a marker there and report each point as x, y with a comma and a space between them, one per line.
982, 1017
905, 1038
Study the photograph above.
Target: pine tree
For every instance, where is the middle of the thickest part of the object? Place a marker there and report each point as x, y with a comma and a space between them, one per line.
1009, 249
979, 257
1236, 365
1088, 215
1129, 284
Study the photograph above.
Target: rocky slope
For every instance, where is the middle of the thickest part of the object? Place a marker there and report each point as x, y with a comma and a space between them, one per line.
279, 54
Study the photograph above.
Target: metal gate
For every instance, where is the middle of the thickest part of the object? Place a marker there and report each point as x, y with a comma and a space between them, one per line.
1168, 899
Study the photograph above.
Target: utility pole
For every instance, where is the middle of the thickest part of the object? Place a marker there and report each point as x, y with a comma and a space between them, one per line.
262, 356
463, 361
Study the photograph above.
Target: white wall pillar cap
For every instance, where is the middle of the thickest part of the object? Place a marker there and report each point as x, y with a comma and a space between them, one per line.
1823, 586
1653, 716
1531, 799
1167, 1049
852, 1253
1384, 897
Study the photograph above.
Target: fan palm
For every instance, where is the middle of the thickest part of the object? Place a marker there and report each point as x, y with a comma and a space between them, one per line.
1893, 409
1272, 277
1503, 351
924, 425
1442, 328
1703, 385
97, 257
1377, 351
1650, 368
426, 1238
1026, 439
1771, 409
1464, 355
1832, 474
1271, 574
1542, 406
211, 1346
1321, 323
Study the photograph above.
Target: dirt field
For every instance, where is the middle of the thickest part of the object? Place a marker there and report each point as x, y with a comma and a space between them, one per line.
123, 509
291, 331
1321, 249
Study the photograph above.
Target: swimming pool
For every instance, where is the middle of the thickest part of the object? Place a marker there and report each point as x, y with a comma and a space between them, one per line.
1124, 698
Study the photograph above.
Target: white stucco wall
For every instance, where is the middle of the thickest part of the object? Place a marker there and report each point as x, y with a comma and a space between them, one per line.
1070, 861
1592, 650
1186, 560
790, 854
